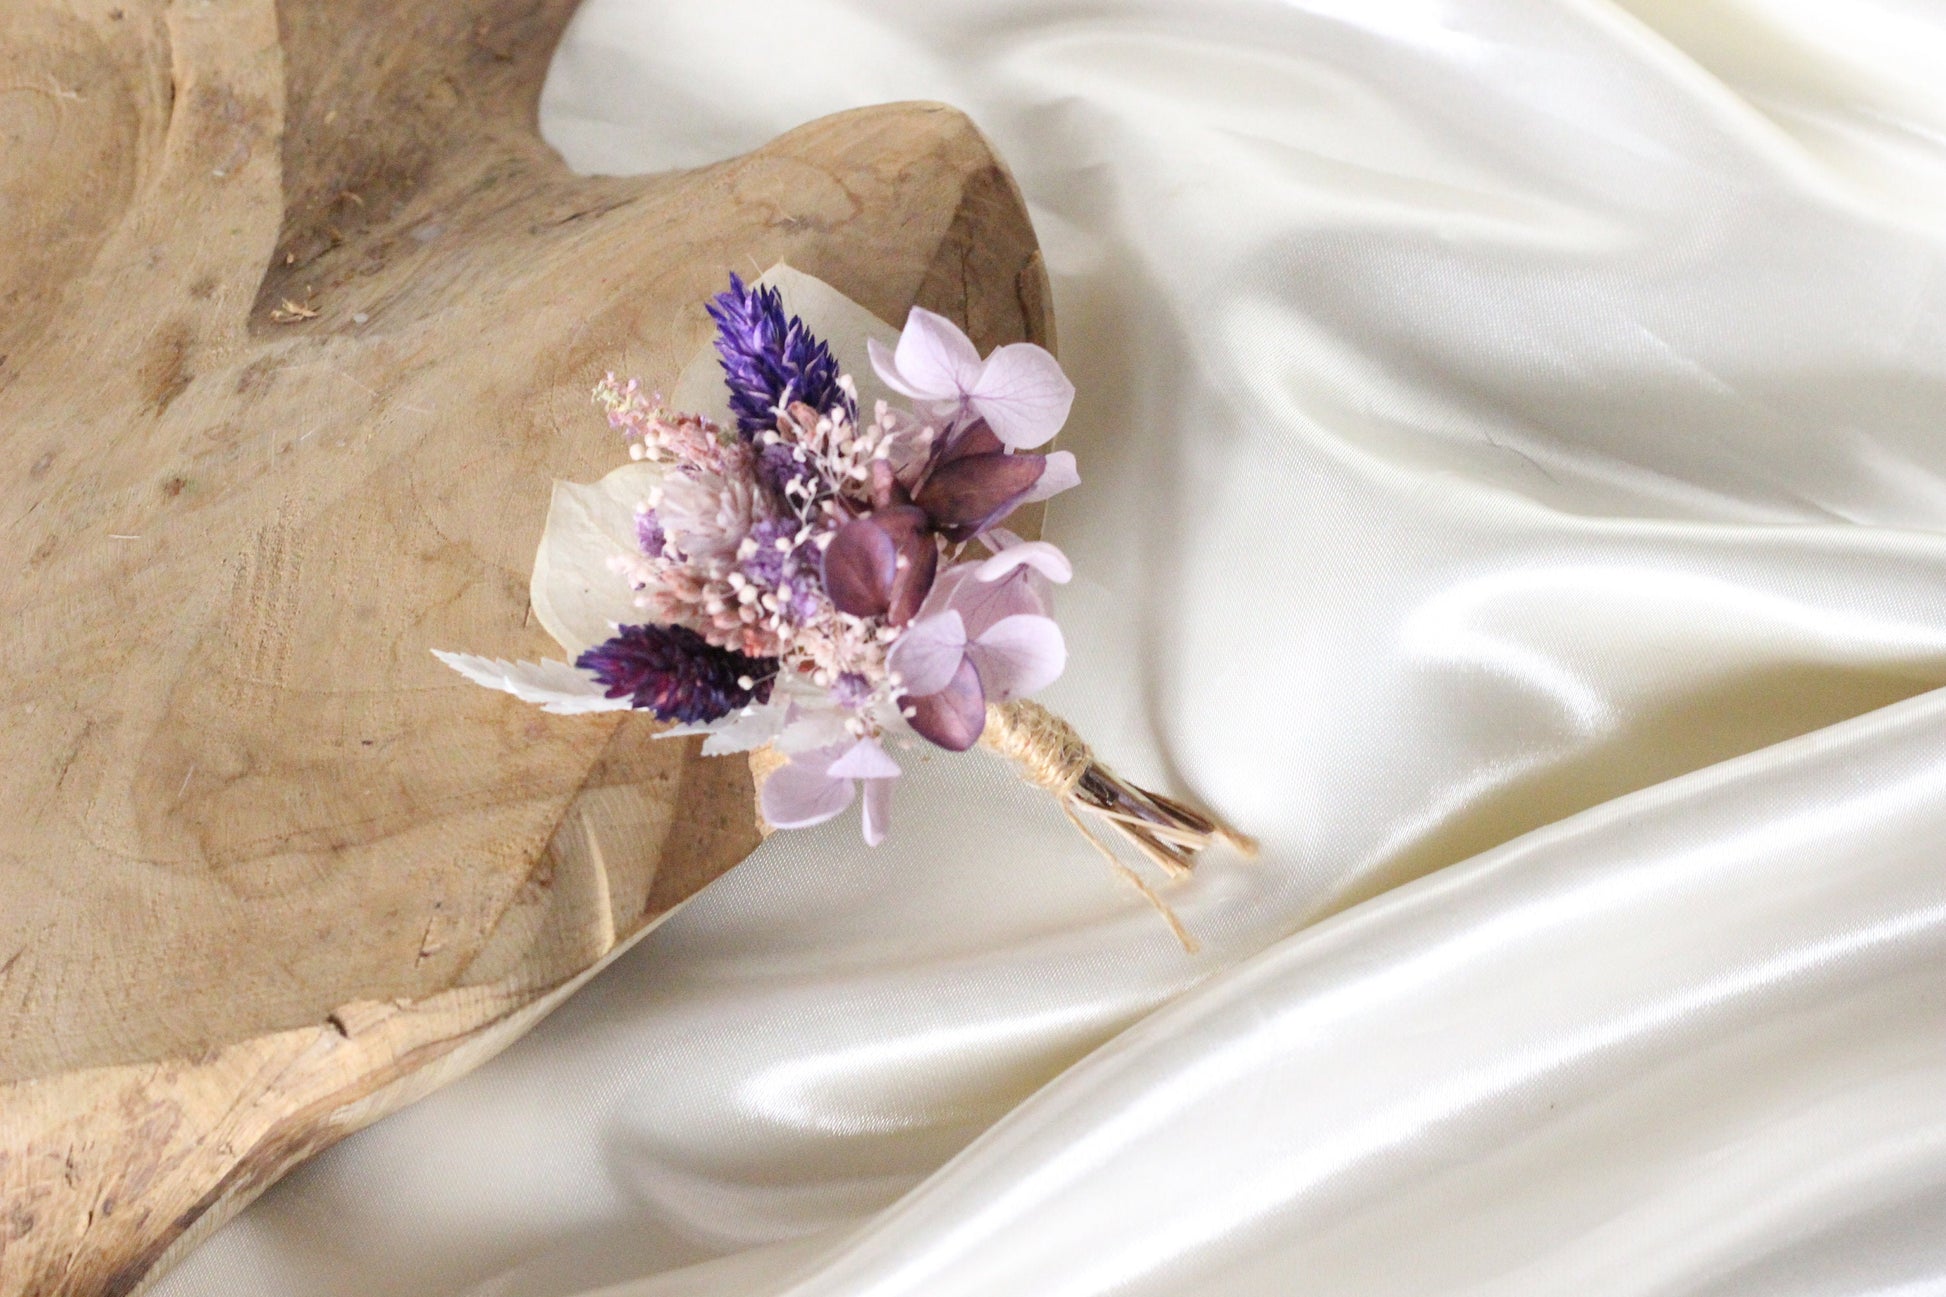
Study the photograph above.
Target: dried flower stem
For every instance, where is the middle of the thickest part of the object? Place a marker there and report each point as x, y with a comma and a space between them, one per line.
1052, 756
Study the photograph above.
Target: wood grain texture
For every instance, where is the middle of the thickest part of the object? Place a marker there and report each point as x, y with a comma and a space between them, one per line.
298, 318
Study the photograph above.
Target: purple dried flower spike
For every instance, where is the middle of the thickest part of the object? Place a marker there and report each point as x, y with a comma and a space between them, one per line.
675, 673
770, 360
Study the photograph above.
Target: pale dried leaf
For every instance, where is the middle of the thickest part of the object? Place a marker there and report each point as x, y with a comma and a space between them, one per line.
555, 686
578, 596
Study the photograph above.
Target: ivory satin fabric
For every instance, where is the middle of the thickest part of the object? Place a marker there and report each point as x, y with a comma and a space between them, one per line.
1513, 442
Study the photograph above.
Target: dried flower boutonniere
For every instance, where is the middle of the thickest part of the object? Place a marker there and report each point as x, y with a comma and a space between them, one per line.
820, 573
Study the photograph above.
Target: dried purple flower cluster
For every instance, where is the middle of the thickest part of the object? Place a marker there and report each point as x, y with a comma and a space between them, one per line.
770, 360
827, 582
675, 673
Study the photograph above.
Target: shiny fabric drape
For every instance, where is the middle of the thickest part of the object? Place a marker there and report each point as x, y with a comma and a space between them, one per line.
1512, 435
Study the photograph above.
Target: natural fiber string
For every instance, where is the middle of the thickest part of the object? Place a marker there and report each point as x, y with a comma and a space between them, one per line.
1043, 745
1052, 756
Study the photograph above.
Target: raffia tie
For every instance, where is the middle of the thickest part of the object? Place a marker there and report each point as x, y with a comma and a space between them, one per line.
1052, 756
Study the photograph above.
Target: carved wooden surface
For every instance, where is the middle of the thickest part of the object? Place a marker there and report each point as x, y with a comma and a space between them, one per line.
298, 318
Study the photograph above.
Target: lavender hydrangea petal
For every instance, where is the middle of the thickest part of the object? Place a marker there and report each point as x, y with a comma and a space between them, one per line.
1022, 393
865, 759
928, 653
885, 364
802, 792
1019, 655
1043, 557
878, 810
982, 603
934, 360
1061, 475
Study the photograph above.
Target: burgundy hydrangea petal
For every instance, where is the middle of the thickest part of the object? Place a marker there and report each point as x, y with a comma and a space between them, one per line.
860, 565
917, 563
953, 717
966, 496
974, 439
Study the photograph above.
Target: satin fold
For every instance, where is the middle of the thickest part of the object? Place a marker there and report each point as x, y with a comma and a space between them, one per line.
1513, 447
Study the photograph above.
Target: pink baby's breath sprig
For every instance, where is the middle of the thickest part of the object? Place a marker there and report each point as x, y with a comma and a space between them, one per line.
833, 585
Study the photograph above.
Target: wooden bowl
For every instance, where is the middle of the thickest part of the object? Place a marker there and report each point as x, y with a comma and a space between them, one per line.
300, 319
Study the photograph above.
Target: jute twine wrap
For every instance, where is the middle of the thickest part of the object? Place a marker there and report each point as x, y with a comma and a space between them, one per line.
1045, 747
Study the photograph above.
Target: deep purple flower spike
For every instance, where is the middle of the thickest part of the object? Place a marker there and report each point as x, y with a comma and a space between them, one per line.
675, 673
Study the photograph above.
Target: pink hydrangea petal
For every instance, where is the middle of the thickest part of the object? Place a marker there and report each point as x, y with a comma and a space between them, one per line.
934, 359
878, 810
928, 652
802, 792
864, 759
1019, 655
1022, 393
1060, 475
1044, 558
953, 717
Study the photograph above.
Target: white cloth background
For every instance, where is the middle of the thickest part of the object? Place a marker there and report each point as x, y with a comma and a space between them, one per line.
1513, 436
